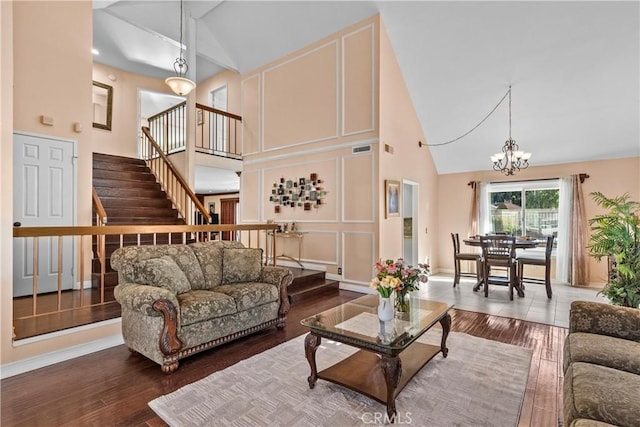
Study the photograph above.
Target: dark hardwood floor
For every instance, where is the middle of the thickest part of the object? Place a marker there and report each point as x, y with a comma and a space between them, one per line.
113, 386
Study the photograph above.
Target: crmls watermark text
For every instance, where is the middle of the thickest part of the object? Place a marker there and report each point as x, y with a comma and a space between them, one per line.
381, 418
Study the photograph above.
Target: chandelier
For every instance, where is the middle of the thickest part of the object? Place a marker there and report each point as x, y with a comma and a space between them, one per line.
511, 159
179, 84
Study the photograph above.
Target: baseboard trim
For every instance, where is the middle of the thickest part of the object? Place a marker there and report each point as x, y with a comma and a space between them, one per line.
29, 364
356, 288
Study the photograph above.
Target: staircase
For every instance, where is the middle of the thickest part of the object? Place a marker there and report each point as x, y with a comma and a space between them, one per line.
130, 196
129, 192
310, 283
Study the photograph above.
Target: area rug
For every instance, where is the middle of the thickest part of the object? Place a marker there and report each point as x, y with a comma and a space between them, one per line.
480, 383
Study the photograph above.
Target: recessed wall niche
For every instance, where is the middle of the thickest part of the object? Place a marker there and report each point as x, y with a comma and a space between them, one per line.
304, 193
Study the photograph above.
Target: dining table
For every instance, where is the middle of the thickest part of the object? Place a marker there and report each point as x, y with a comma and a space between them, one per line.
521, 243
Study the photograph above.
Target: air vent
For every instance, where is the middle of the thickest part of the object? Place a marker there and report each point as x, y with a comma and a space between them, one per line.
361, 149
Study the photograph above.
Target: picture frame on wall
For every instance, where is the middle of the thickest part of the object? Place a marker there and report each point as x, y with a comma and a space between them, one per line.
102, 105
392, 198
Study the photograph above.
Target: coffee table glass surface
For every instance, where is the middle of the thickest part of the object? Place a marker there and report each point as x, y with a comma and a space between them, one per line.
356, 322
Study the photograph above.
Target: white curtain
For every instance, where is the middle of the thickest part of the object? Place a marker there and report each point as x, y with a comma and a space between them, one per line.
485, 212
563, 253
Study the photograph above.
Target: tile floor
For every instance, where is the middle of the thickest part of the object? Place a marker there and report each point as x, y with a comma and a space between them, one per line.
534, 307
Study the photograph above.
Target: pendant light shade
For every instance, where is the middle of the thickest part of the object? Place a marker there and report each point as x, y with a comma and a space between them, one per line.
179, 84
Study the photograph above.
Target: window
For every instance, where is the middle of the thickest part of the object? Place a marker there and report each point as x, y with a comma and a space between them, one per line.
527, 208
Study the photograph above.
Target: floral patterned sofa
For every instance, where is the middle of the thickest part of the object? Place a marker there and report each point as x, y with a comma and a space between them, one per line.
602, 366
178, 300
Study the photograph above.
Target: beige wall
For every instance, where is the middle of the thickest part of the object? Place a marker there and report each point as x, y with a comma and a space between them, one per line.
44, 72
6, 181
611, 177
229, 78
122, 139
401, 129
303, 114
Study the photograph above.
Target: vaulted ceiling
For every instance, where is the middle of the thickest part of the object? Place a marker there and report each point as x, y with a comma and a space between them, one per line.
574, 66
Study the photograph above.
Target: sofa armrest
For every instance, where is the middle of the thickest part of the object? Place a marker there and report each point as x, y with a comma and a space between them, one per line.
142, 297
282, 278
605, 319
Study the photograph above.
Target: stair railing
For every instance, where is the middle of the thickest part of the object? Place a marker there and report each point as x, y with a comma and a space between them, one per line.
70, 306
217, 132
168, 128
101, 220
183, 198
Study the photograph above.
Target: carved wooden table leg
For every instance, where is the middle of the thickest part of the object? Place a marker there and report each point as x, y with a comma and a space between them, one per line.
446, 327
392, 370
311, 343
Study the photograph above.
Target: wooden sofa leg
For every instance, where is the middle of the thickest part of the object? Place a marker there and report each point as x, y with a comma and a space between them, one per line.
170, 368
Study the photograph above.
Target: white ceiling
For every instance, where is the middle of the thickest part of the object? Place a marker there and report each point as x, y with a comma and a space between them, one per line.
574, 66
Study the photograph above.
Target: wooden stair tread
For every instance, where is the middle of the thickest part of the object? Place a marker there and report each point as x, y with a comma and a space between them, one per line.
308, 283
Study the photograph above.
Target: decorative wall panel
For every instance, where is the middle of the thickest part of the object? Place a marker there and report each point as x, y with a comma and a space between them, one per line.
358, 81
300, 99
250, 115
358, 188
250, 201
357, 256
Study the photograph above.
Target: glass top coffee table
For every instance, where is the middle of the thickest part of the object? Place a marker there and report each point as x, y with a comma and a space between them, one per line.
389, 355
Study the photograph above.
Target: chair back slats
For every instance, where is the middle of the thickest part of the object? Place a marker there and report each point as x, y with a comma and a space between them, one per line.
456, 243
498, 246
549, 248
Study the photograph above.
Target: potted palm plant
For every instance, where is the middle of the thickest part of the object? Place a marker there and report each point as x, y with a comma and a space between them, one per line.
616, 234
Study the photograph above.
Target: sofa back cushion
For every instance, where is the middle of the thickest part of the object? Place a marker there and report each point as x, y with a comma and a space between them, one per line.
162, 272
241, 265
122, 261
209, 255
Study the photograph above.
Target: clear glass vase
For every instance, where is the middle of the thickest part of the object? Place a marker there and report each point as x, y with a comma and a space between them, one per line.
402, 301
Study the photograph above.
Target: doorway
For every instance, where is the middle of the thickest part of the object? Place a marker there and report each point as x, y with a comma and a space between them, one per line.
44, 185
410, 221
229, 215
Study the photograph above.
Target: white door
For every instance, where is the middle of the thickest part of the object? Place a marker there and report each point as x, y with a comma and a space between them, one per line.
44, 185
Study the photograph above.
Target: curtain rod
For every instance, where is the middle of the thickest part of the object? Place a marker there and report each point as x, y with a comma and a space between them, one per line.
582, 176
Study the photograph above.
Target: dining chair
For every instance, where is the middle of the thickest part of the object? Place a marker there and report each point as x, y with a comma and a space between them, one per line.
535, 259
464, 256
499, 251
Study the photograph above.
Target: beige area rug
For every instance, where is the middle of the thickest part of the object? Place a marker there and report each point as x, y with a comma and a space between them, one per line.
480, 383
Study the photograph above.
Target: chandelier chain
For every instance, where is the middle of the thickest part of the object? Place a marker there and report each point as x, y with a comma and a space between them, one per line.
481, 121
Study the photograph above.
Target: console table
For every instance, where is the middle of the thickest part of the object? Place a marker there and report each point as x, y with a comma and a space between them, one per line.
287, 235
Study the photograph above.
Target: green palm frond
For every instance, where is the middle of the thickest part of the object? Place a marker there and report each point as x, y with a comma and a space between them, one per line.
616, 233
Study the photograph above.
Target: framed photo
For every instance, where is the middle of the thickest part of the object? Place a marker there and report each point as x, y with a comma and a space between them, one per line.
392, 198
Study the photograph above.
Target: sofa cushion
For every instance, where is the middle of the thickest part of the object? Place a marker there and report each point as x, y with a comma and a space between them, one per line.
162, 272
209, 255
599, 393
122, 260
250, 294
241, 265
602, 350
200, 305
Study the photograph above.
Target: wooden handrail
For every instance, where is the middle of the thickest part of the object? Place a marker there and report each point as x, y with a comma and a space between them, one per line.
216, 111
178, 176
175, 107
101, 214
133, 229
